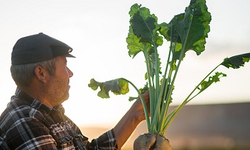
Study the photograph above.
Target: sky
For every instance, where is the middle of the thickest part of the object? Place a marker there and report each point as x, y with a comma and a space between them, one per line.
97, 31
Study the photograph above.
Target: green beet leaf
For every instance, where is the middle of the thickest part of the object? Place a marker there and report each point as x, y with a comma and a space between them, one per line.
143, 35
190, 29
212, 79
237, 61
117, 86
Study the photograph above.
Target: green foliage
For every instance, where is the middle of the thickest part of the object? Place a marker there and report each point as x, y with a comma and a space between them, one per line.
117, 86
237, 61
212, 79
186, 31
189, 29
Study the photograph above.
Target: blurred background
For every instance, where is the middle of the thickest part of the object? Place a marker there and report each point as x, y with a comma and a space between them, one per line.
97, 31
201, 127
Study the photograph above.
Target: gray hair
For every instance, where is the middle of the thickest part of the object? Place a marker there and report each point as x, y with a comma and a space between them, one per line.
22, 74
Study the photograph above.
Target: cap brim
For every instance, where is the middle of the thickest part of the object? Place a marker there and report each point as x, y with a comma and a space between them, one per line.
69, 55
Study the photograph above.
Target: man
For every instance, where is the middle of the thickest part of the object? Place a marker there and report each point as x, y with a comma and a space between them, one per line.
34, 119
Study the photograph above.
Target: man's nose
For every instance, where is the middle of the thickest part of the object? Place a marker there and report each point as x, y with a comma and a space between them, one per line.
70, 73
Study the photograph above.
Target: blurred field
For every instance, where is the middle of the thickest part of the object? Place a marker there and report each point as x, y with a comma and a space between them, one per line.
201, 127
204, 149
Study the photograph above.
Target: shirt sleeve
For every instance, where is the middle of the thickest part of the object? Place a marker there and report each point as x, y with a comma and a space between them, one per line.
106, 141
29, 134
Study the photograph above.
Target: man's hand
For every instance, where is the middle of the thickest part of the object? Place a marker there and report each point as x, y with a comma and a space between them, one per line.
137, 107
130, 120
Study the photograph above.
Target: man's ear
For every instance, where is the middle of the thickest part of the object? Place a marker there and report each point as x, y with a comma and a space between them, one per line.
40, 73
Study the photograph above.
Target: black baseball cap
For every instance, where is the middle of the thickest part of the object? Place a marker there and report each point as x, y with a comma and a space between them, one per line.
37, 48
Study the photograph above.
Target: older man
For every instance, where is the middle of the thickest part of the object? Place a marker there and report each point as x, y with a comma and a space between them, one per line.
34, 118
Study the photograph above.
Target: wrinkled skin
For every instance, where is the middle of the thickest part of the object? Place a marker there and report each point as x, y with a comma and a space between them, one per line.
149, 141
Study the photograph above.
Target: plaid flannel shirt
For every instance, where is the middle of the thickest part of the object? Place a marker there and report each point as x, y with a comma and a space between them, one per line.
28, 124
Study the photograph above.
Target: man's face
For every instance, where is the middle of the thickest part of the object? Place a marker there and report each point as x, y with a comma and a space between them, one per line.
58, 85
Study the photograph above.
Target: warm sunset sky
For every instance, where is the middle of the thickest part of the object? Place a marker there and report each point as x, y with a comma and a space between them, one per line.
97, 31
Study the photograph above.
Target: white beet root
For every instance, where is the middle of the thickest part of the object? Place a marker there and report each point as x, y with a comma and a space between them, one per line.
150, 141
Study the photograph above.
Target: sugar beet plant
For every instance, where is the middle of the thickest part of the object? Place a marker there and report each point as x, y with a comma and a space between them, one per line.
186, 31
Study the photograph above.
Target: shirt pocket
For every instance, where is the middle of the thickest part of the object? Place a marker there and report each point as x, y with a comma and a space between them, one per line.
62, 137
66, 142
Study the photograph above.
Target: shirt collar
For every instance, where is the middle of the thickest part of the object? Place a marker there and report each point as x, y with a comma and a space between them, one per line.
37, 104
